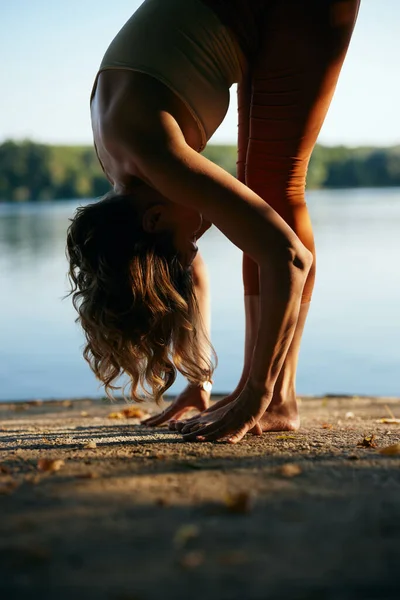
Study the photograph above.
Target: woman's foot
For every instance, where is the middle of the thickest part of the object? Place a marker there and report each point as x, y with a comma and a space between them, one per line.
192, 397
281, 415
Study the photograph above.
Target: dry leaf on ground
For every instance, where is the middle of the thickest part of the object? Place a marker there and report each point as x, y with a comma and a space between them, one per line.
115, 415
185, 533
290, 470
392, 450
50, 464
239, 502
389, 421
327, 426
368, 441
132, 412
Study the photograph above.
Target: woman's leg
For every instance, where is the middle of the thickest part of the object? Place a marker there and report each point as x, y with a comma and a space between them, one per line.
250, 302
293, 81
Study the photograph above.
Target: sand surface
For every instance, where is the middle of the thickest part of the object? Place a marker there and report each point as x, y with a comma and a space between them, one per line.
137, 514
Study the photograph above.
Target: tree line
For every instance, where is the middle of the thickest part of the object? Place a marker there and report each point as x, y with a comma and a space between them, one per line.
30, 171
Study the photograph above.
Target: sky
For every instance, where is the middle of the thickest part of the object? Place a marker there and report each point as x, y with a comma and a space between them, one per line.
51, 50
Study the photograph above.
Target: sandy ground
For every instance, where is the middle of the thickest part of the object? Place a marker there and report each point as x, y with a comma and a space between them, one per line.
141, 515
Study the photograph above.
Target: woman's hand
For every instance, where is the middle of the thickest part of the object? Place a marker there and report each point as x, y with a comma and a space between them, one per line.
233, 422
192, 397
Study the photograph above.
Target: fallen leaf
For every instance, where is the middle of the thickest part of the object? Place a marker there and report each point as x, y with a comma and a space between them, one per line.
191, 560
239, 502
133, 412
391, 450
327, 426
285, 437
90, 445
184, 534
115, 415
49, 464
290, 470
368, 441
389, 421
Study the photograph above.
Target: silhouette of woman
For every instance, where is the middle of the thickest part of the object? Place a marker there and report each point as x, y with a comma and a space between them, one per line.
139, 284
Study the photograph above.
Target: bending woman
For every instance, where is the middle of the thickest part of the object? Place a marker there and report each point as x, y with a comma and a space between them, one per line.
139, 285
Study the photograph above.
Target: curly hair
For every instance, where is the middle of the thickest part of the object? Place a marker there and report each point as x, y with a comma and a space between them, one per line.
135, 301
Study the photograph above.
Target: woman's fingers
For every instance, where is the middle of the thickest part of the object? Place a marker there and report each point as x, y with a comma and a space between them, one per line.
221, 428
231, 426
176, 425
179, 425
189, 427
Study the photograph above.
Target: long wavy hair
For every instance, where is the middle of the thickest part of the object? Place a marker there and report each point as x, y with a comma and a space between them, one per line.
135, 301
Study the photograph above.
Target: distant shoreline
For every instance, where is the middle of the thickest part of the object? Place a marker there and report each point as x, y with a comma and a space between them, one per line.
31, 171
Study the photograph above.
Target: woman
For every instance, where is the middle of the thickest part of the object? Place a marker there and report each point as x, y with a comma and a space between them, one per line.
139, 284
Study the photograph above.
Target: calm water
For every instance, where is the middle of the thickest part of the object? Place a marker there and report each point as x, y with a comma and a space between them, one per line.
351, 340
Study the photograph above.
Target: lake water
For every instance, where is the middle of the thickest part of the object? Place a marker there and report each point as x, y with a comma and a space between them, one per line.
351, 339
